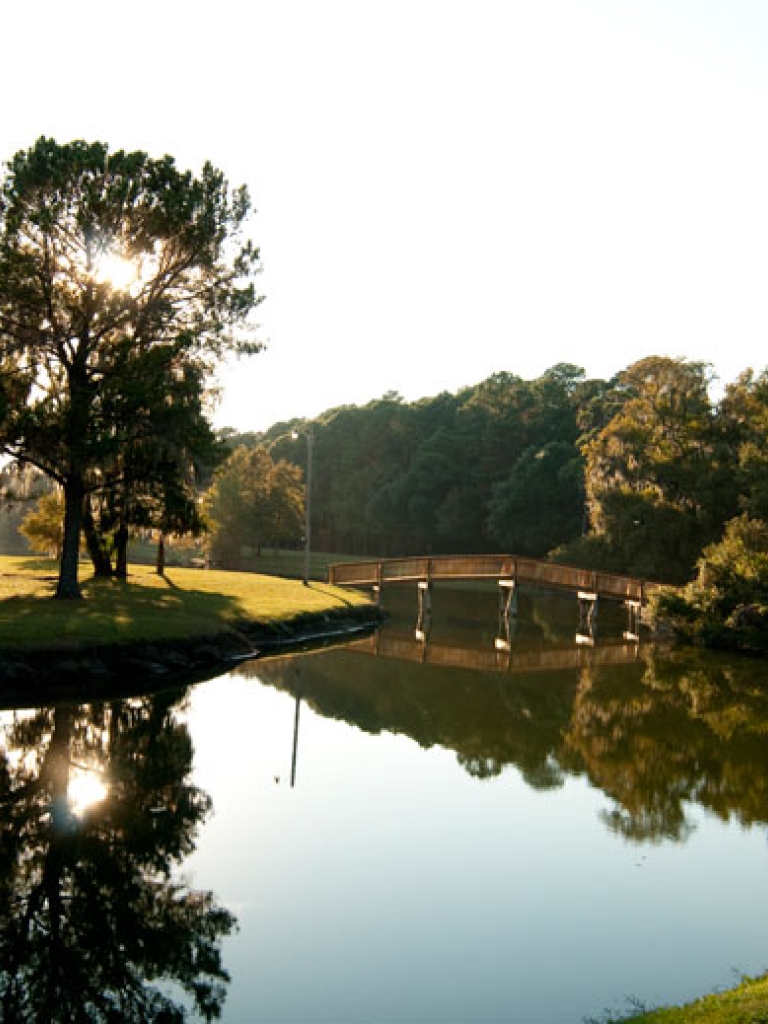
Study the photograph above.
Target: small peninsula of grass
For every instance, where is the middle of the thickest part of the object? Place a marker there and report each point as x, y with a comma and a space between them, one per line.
182, 605
745, 1004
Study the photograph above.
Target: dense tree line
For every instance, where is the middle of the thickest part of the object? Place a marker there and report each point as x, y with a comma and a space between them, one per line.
634, 474
396, 478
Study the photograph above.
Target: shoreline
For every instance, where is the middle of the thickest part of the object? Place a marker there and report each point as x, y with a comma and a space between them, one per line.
67, 671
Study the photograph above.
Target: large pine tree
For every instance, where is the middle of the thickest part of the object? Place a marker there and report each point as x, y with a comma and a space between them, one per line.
106, 259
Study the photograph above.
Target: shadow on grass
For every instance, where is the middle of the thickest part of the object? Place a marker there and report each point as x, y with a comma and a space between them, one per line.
168, 581
114, 612
40, 567
329, 592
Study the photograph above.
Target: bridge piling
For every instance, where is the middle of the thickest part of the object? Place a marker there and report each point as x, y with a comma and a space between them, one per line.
507, 598
507, 612
425, 609
587, 616
634, 609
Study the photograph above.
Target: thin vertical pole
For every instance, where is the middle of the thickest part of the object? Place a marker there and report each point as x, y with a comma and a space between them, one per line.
295, 741
308, 507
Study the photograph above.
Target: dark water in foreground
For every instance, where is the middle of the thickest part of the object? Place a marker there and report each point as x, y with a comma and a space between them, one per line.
398, 831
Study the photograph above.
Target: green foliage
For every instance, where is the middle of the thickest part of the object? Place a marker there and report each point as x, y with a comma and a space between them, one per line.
540, 504
591, 551
44, 526
397, 478
727, 604
253, 501
745, 416
168, 449
20, 489
659, 480
87, 349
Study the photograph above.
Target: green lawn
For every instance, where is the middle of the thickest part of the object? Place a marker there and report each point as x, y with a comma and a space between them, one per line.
269, 562
183, 603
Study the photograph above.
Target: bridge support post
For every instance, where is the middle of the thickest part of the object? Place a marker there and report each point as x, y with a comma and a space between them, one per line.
632, 632
507, 598
507, 611
425, 610
587, 617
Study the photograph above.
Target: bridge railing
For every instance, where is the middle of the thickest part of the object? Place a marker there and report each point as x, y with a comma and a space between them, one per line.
458, 567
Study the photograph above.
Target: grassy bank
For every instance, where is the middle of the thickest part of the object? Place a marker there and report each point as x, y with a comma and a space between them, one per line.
183, 603
269, 561
745, 1004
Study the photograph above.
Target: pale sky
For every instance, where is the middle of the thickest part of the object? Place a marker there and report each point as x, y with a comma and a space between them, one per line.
442, 189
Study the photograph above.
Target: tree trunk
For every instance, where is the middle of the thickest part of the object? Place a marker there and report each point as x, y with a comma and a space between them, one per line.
121, 552
68, 586
97, 549
160, 564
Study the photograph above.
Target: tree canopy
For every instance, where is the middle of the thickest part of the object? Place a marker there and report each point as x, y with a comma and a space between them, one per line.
119, 274
635, 474
252, 501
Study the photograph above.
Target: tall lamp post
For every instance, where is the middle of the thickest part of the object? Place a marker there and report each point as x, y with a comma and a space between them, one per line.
308, 502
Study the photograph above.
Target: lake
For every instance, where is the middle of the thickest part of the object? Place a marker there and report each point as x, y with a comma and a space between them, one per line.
472, 825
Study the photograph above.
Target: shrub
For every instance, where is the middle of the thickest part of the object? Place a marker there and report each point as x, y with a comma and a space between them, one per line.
727, 604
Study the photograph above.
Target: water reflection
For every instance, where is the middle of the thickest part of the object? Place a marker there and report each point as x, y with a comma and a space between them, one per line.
688, 728
97, 809
656, 730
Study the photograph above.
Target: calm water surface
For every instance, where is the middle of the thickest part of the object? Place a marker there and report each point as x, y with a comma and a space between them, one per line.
399, 831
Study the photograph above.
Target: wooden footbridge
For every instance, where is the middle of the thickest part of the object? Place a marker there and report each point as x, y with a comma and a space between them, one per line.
510, 571
487, 567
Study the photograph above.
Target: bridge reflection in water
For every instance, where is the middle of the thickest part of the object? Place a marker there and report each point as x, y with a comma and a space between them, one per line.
498, 659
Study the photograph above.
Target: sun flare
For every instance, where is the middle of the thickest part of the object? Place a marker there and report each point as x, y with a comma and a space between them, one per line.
121, 274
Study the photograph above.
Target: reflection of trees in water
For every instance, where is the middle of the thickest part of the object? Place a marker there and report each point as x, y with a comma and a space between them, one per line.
92, 925
481, 767
690, 730
490, 720
541, 775
680, 728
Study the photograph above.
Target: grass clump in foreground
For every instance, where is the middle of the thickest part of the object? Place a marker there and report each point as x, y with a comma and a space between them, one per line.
745, 1004
182, 603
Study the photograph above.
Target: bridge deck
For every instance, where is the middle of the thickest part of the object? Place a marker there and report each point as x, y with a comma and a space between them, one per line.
480, 567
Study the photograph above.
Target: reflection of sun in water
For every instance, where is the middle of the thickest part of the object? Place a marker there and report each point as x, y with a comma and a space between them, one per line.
85, 789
